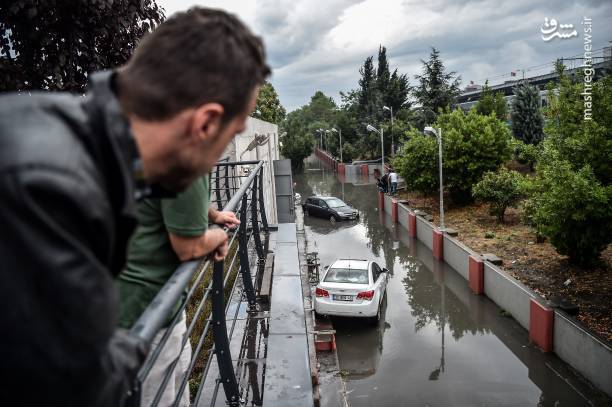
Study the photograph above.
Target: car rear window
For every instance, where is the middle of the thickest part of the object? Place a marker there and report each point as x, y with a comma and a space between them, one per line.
342, 275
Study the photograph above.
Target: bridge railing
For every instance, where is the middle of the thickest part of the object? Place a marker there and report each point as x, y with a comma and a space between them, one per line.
236, 187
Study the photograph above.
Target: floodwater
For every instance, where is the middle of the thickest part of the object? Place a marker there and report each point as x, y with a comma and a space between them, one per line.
438, 345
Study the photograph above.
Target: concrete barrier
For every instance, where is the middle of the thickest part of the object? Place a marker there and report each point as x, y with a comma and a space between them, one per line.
583, 350
437, 241
394, 210
476, 274
423, 232
456, 255
402, 215
541, 320
508, 293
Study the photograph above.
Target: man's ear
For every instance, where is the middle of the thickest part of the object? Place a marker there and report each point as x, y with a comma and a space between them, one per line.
206, 121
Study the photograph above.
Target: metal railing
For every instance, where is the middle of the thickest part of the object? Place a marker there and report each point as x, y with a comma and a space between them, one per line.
236, 187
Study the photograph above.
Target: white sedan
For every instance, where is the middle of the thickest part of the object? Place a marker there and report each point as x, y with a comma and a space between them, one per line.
352, 288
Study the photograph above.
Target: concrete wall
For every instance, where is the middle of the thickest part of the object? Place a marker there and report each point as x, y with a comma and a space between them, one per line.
582, 350
571, 342
270, 151
456, 255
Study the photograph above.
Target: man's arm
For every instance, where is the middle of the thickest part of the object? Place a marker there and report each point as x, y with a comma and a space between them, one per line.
189, 247
59, 345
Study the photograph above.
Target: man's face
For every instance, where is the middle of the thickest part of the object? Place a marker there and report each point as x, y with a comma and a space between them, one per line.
200, 157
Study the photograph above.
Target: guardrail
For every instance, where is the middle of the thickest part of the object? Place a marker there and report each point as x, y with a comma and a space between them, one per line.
236, 187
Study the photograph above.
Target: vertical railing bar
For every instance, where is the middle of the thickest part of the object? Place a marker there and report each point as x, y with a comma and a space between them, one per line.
217, 192
245, 268
220, 338
262, 206
254, 219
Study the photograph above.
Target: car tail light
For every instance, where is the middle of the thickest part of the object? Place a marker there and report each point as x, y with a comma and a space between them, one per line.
321, 292
365, 295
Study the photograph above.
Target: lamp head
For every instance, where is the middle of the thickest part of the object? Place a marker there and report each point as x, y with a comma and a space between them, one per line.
283, 134
369, 127
334, 130
386, 108
430, 129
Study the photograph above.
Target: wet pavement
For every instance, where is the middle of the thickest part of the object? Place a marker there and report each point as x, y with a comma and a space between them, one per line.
438, 344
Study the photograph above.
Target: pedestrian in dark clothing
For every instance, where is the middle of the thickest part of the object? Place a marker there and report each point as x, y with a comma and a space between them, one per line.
70, 169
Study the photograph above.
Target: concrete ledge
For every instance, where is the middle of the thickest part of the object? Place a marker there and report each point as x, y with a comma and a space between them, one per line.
394, 210
423, 232
402, 215
456, 255
584, 351
507, 293
388, 203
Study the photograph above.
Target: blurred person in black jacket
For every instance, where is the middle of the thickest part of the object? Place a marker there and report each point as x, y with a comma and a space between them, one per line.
70, 170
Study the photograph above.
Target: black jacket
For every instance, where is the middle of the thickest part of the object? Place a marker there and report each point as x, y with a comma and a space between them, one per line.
66, 213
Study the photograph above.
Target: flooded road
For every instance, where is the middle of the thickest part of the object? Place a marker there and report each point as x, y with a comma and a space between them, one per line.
438, 344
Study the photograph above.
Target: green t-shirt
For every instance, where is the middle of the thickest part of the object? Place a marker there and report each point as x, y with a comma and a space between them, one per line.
151, 261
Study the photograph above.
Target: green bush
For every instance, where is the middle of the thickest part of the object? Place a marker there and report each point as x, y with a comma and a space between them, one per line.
501, 189
418, 163
573, 209
472, 145
526, 154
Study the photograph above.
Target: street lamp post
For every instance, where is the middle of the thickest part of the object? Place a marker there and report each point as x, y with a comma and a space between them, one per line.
320, 131
340, 135
438, 135
392, 143
322, 139
369, 127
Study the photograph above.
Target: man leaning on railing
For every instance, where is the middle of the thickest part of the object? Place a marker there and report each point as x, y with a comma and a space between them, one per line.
70, 169
170, 231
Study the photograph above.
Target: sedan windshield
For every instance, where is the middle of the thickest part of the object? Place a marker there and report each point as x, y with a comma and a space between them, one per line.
351, 276
334, 203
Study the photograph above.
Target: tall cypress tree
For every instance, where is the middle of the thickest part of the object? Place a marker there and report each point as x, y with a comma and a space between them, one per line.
383, 75
527, 120
367, 88
436, 89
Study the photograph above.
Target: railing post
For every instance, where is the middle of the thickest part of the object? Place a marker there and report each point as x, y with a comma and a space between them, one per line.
262, 206
227, 189
245, 268
255, 219
222, 350
217, 188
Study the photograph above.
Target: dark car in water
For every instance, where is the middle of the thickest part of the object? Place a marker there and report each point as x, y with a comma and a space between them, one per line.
329, 207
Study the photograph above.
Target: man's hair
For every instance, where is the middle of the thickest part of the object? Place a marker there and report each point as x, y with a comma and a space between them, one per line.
194, 57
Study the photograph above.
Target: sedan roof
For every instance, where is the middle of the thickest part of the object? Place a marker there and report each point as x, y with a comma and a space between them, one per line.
351, 264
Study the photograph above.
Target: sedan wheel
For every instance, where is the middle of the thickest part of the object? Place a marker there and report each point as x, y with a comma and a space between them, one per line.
332, 219
306, 212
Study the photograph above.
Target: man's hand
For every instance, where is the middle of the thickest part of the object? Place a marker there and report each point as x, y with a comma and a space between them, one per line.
225, 218
216, 240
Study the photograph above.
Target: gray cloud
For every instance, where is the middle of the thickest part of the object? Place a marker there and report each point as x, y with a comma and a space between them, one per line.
320, 45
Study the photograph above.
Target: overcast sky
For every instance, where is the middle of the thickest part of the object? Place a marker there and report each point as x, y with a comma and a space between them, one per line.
319, 45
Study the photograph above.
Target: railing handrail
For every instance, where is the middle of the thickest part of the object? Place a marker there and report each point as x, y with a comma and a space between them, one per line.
156, 314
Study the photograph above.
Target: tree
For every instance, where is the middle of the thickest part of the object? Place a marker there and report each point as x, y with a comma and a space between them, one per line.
55, 45
491, 102
296, 144
436, 89
501, 189
472, 145
571, 196
367, 89
268, 105
527, 120
383, 76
